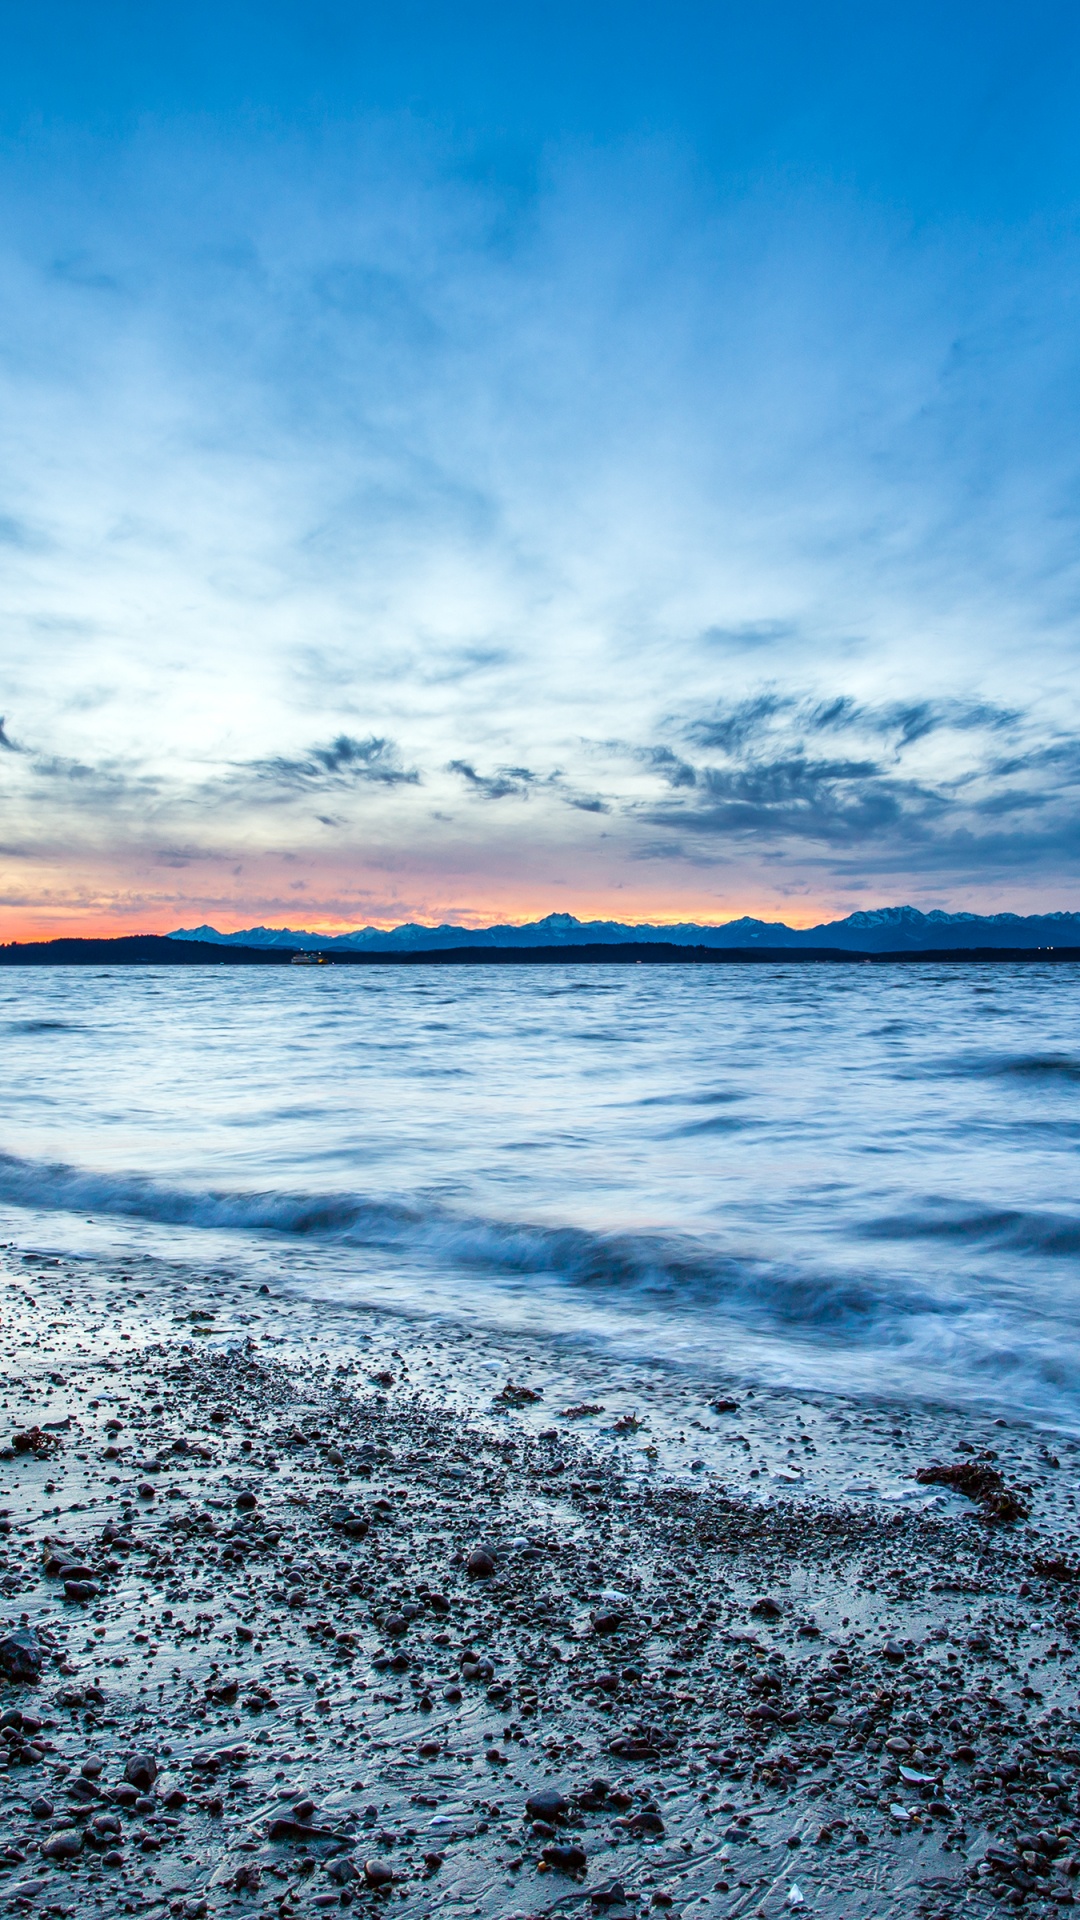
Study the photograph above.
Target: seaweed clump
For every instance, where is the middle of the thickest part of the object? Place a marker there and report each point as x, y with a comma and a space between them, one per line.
981, 1483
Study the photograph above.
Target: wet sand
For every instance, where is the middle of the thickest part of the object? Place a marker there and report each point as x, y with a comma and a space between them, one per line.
322, 1601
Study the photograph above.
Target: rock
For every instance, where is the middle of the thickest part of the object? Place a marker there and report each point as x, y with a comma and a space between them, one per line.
766, 1609
893, 1652
343, 1870
378, 1874
604, 1623
63, 1845
21, 1655
646, 1821
547, 1804
286, 1828
480, 1565
247, 1502
396, 1625
565, 1857
140, 1771
41, 1809
79, 1591
611, 1893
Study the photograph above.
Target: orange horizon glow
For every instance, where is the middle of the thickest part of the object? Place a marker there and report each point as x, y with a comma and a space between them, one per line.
32, 926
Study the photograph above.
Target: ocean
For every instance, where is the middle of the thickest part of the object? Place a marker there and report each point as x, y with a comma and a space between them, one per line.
854, 1178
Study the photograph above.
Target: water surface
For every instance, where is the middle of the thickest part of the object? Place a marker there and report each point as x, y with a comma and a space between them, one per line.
854, 1177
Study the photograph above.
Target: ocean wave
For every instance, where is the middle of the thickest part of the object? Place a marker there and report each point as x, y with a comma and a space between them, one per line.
1018, 1229
667, 1271
1036, 1069
41, 1026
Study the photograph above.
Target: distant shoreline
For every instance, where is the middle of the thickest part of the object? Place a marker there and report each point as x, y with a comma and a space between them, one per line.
147, 949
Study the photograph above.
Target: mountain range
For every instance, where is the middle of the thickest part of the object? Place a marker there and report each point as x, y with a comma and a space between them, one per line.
878, 930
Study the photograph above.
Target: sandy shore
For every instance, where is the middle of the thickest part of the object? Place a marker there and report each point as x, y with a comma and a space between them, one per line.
316, 1605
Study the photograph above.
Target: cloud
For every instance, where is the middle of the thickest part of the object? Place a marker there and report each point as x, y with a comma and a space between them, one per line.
343, 763
506, 782
942, 790
6, 744
676, 771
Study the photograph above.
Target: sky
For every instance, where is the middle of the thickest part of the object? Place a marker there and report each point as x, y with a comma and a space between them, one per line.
468, 462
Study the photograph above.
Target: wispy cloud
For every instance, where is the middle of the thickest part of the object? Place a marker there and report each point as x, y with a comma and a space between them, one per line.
341, 764
505, 783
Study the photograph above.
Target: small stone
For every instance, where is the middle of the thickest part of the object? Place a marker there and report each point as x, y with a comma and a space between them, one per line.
611, 1893
378, 1874
79, 1591
565, 1857
646, 1821
547, 1804
63, 1845
247, 1501
479, 1565
766, 1608
20, 1655
41, 1809
141, 1770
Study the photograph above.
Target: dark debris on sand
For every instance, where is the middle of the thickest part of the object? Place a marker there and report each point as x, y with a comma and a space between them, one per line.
307, 1638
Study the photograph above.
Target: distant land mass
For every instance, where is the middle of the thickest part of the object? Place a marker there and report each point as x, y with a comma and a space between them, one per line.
877, 930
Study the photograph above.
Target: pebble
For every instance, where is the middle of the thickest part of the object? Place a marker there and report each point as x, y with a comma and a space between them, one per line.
141, 1770
547, 1804
20, 1655
63, 1845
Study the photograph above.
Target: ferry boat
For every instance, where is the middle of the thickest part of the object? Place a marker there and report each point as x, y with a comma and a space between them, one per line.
308, 960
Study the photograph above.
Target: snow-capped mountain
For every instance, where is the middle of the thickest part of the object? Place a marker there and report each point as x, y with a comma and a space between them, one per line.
876, 930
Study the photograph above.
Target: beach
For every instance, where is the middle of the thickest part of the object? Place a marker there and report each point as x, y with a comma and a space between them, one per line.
351, 1608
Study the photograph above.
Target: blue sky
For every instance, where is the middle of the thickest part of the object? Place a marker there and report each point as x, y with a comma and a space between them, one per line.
469, 462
